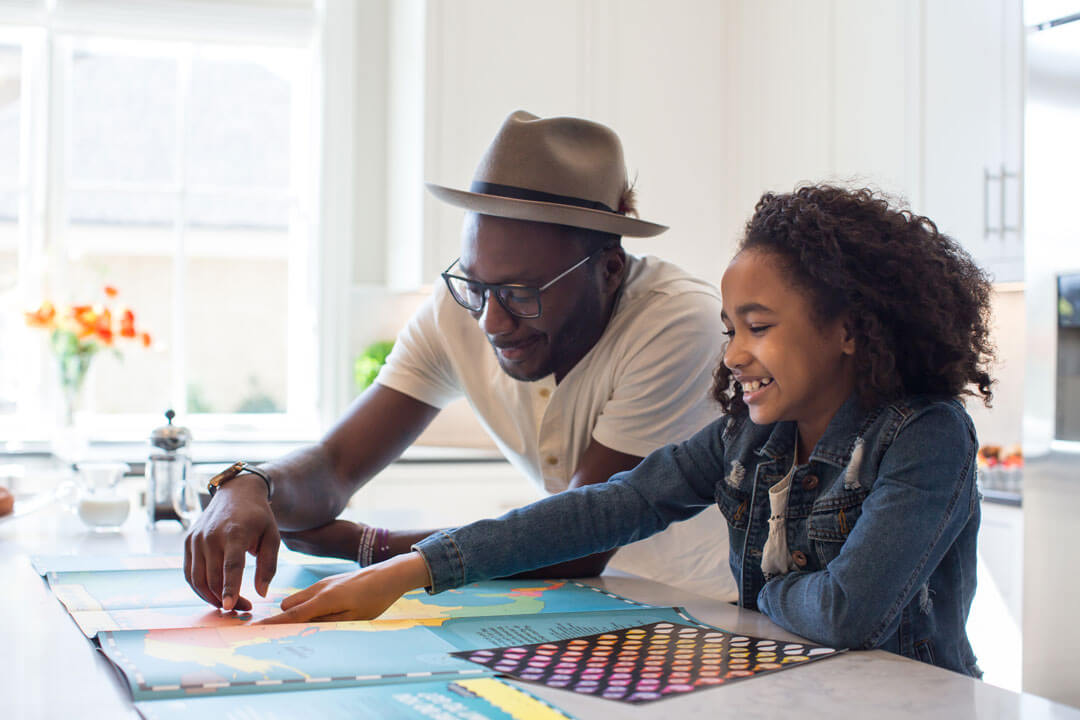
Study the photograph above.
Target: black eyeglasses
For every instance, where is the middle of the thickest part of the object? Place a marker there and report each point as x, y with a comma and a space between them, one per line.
522, 301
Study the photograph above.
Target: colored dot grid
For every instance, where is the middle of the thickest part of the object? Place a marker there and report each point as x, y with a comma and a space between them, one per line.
646, 663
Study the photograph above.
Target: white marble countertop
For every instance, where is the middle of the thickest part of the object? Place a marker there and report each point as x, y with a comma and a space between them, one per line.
48, 670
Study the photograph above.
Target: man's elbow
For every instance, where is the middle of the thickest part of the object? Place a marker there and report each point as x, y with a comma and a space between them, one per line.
594, 565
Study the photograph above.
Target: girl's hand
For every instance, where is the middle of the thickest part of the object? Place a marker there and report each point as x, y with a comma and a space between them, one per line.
361, 595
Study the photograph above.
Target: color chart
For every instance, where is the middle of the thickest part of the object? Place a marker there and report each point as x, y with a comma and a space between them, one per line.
648, 662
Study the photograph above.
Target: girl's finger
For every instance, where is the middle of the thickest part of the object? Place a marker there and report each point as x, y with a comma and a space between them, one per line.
300, 612
301, 596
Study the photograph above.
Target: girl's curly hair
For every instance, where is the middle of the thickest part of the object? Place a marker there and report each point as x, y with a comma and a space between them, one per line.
918, 306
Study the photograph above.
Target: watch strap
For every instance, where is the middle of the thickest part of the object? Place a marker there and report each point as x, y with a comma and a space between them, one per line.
239, 468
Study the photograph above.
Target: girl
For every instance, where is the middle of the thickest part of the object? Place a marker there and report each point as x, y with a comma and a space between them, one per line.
844, 463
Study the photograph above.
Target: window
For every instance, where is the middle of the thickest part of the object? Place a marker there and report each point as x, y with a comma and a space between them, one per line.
179, 171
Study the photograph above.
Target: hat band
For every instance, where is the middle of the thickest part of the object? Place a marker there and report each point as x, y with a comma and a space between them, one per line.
520, 193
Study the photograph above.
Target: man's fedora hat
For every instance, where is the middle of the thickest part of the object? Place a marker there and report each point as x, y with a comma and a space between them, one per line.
559, 170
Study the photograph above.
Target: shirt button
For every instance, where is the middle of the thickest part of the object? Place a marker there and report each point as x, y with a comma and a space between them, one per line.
545, 393
799, 558
810, 482
552, 460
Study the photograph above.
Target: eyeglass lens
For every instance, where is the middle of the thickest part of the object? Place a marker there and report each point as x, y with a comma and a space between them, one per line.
521, 301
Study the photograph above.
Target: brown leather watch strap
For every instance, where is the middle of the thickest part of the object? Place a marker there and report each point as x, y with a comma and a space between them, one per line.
238, 468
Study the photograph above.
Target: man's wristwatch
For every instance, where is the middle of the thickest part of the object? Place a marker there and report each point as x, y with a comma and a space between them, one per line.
238, 468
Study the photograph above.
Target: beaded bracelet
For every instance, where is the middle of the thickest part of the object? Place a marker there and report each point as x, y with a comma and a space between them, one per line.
374, 546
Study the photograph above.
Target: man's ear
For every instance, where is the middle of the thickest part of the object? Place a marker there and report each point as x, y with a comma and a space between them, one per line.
613, 267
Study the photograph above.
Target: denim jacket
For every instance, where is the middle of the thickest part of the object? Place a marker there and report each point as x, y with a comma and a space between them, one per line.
881, 524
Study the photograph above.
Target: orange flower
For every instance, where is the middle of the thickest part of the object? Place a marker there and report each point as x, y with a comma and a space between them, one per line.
85, 329
103, 326
85, 319
110, 291
43, 317
127, 324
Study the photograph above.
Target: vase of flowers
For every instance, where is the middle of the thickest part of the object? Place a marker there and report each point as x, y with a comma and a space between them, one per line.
77, 333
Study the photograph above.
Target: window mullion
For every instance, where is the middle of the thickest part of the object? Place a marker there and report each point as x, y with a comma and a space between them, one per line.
179, 323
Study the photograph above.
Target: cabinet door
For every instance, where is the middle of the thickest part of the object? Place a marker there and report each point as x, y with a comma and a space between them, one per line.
972, 132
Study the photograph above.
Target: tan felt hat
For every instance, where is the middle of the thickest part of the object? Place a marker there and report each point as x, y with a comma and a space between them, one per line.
559, 170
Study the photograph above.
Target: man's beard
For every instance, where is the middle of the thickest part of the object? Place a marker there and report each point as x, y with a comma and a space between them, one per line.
571, 342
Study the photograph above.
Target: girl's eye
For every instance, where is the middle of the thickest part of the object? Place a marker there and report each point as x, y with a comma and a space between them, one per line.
758, 329
728, 334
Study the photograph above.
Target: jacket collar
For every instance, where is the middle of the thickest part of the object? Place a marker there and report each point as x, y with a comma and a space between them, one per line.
834, 447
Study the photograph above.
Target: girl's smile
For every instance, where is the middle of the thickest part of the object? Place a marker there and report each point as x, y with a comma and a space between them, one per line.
789, 363
754, 388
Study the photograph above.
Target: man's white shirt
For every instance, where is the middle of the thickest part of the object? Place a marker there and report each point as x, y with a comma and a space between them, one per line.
645, 384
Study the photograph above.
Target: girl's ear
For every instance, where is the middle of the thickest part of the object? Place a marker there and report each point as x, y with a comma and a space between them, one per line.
847, 346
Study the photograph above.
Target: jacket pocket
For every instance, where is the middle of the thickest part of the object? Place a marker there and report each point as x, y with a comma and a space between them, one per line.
734, 505
924, 651
832, 520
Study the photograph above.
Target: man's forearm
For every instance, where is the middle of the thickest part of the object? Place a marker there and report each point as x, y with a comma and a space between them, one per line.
308, 493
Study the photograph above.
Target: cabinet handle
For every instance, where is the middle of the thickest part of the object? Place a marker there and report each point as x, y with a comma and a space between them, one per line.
987, 178
1006, 175
1001, 178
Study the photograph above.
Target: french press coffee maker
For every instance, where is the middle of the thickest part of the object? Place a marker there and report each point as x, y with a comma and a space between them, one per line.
168, 468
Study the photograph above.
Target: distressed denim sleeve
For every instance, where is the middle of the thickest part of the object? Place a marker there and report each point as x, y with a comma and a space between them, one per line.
671, 484
918, 506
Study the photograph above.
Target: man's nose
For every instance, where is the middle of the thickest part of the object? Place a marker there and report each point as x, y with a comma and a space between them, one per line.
494, 319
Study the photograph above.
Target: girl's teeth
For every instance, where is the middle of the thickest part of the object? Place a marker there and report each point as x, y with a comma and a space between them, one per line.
755, 385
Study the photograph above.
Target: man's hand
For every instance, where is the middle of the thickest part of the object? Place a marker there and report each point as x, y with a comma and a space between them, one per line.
360, 595
237, 520
339, 539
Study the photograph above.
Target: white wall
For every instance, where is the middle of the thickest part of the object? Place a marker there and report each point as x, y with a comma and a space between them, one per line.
1000, 424
715, 102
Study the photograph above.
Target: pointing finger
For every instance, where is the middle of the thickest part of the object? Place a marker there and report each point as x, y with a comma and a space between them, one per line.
266, 559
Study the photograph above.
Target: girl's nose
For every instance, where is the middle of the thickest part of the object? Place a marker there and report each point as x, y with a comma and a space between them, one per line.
734, 355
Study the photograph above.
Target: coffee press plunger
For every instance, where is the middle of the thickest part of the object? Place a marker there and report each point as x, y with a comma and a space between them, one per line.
167, 468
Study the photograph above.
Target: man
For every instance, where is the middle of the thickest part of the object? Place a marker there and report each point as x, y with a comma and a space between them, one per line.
596, 358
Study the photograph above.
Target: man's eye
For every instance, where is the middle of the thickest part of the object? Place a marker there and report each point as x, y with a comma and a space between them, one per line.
473, 291
516, 295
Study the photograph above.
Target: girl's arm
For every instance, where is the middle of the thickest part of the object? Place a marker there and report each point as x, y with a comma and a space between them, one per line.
674, 483
921, 501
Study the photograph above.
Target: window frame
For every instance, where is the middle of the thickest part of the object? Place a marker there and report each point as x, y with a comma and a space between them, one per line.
315, 279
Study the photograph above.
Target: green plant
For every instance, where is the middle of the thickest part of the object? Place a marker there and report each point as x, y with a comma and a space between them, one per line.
367, 364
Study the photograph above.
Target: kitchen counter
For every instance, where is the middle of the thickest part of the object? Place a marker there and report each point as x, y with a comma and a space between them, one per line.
49, 670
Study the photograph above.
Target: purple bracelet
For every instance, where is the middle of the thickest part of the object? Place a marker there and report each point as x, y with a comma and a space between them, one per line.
374, 546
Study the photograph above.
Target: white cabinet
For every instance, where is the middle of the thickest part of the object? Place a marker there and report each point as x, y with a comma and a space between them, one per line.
717, 102
995, 622
972, 142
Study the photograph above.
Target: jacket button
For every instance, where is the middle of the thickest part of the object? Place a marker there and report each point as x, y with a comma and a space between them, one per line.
810, 482
552, 460
799, 558
545, 393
